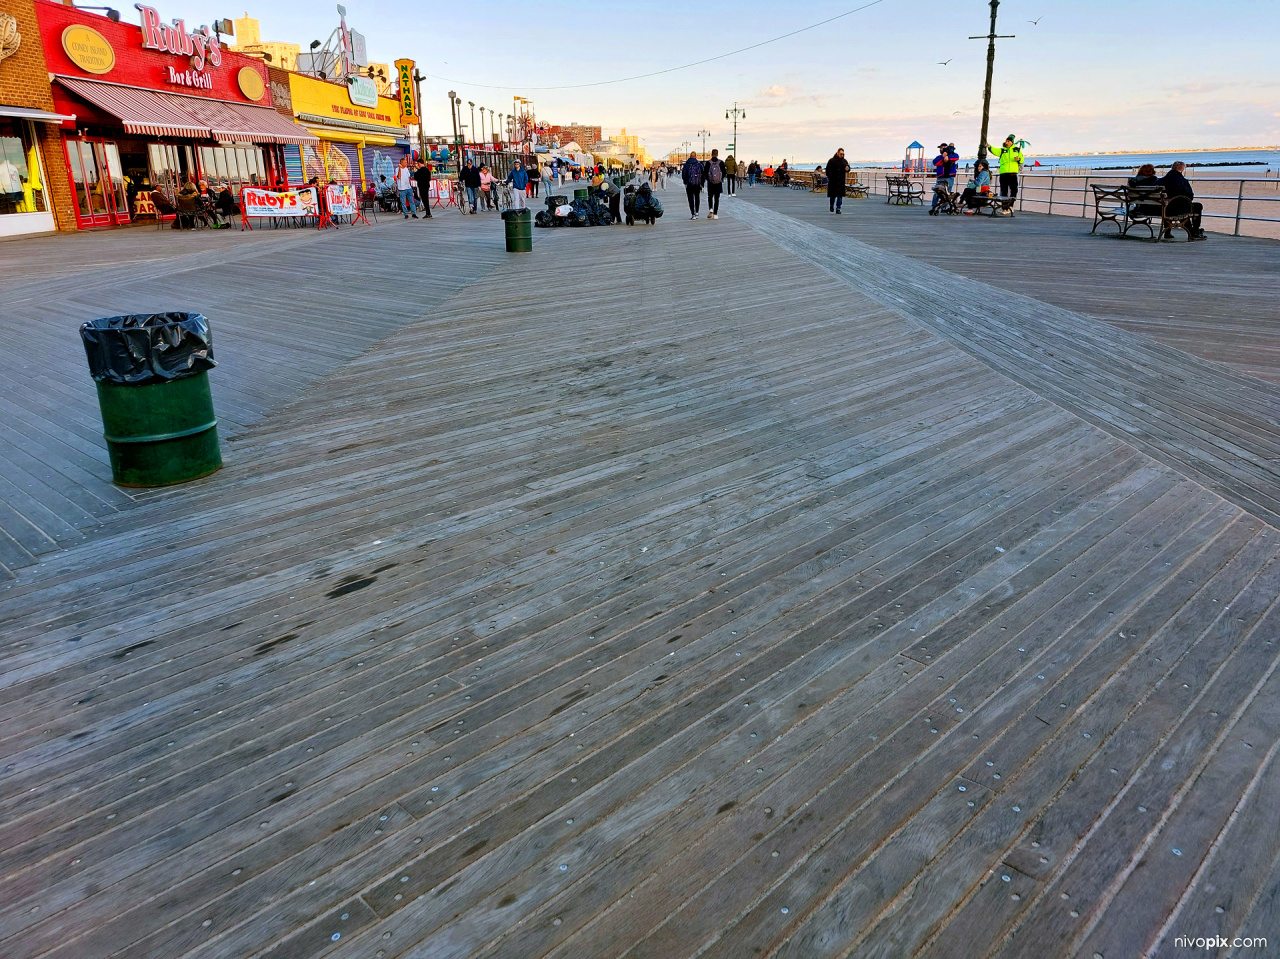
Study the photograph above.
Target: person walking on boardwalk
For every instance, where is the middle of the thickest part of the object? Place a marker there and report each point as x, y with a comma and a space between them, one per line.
470, 180
691, 174
423, 177
713, 172
519, 180
730, 174
1010, 157
404, 187
837, 172
535, 177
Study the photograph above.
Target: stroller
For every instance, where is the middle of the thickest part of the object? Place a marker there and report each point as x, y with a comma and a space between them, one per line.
945, 202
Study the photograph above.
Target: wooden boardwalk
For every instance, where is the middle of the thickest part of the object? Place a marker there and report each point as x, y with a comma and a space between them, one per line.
282, 314
667, 592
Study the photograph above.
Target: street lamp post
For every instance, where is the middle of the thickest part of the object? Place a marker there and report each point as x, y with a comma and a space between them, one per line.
454, 101
473, 117
735, 114
704, 133
482, 124
991, 39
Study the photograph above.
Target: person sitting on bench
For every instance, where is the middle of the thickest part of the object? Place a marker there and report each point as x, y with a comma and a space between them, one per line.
1145, 177
1176, 185
979, 187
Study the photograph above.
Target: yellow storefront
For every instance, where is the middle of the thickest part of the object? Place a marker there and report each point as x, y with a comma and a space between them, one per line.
358, 131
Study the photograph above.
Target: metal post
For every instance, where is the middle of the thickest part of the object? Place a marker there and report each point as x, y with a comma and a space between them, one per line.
1239, 206
991, 39
1084, 200
454, 102
1053, 179
417, 94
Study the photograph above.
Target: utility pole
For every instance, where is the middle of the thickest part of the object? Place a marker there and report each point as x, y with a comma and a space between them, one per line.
704, 133
417, 96
735, 113
991, 39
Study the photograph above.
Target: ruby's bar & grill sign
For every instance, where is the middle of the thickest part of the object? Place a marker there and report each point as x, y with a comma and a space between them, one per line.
157, 104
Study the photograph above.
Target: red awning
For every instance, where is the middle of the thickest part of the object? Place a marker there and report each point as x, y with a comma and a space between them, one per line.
244, 123
168, 114
268, 126
140, 111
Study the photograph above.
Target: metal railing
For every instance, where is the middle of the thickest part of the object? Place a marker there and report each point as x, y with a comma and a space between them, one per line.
1239, 202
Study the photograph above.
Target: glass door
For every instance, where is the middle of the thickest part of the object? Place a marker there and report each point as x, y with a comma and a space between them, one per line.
113, 188
98, 182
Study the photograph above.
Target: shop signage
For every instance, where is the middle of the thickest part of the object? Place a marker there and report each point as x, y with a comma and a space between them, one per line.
198, 44
250, 82
10, 38
408, 103
341, 199
299, 202
88, 49
362, 91
189, 78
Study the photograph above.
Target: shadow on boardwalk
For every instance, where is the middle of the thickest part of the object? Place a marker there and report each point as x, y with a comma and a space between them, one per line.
665, 593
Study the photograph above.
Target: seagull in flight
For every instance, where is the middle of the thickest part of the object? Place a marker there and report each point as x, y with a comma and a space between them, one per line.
1036, 21
943, 63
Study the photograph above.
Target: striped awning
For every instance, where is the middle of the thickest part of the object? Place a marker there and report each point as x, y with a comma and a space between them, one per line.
143, 112
148, 112
269, 126
243, 123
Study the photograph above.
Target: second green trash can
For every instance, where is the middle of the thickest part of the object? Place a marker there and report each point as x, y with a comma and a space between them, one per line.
153, 391
519, 226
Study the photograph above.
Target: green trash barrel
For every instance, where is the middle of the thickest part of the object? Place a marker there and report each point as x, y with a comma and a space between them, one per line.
160, 433
152, 379
519, 224
580, 194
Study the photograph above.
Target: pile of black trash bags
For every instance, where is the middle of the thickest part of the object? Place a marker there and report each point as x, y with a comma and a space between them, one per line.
561, 211
641, 206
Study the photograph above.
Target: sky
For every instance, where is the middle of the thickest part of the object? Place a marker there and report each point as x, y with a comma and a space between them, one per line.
1089, 76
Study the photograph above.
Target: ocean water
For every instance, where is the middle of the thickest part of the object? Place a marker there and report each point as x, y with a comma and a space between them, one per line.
1224, 161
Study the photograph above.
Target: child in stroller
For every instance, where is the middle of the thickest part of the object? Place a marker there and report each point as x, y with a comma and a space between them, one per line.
945, 201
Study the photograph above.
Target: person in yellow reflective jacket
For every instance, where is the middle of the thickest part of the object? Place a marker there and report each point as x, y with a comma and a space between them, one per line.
1010, 157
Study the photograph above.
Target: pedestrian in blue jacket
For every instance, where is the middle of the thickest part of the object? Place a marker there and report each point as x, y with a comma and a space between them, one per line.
519, 179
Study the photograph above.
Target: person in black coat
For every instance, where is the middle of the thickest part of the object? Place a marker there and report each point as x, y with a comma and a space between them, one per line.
837, 170
422, 176
714, 174
1176, 185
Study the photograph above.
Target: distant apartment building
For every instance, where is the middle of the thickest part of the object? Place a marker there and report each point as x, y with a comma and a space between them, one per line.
249, 40
587, 136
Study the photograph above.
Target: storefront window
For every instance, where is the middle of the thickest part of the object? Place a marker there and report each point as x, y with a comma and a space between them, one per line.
238, 167
21, 180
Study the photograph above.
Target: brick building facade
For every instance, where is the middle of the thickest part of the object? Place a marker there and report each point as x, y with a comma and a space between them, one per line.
24, 85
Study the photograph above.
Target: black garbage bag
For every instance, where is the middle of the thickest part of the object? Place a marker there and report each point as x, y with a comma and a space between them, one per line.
555, 201
544, 218
148, 347
514, 214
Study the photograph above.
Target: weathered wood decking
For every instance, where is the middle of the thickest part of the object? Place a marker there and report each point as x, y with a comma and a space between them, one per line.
664, 592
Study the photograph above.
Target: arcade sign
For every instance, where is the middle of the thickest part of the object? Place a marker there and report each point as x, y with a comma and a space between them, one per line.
199, 45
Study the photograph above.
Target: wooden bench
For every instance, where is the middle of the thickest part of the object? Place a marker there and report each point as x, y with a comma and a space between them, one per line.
1128, 206
993, 205
854, 190
802, 180
903, 190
